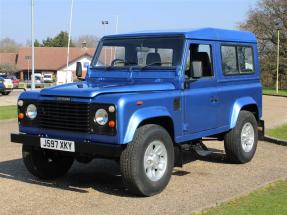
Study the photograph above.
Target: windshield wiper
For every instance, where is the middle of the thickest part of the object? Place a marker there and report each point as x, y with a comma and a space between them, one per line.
154, 63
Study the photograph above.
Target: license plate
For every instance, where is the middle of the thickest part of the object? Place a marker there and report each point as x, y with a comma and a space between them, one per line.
55, 144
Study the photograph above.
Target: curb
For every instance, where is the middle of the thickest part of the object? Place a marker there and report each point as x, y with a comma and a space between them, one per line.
265, 94
275, 140
8, 120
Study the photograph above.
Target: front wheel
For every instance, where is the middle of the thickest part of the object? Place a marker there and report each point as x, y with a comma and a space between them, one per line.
240, 143
46, 164
147, 162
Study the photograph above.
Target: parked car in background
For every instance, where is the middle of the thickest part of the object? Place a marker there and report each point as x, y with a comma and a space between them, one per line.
15, 81
38, 82
6, 86
48, 78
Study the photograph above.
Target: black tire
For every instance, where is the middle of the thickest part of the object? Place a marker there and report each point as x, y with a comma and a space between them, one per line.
5, 93
46, 164
132, 161
232, 140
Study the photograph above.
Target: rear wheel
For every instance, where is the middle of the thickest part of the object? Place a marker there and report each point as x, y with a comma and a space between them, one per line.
147, 162
46, 164
241, 142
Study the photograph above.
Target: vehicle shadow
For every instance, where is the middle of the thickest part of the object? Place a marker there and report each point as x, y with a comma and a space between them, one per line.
100, 175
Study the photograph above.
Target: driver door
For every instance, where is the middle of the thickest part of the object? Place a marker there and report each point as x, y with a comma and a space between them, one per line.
201, 93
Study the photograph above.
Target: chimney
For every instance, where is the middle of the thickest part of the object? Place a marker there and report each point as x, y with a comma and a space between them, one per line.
84, 44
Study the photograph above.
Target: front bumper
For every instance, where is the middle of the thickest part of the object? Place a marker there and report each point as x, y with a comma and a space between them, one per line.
89, 148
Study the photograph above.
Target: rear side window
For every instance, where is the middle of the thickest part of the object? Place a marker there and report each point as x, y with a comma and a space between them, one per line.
245, 59
237, 60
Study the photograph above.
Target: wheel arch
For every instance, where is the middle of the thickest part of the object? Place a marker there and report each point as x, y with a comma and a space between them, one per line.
152, 115
245, 103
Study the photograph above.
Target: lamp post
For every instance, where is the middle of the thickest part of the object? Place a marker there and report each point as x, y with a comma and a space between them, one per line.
69, 39
28, 58
278, 27
105, 23
32, 38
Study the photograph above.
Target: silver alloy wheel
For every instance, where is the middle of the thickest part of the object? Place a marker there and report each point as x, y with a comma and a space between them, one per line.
247, 137
155, 160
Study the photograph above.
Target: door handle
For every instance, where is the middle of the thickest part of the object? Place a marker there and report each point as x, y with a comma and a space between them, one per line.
214, 99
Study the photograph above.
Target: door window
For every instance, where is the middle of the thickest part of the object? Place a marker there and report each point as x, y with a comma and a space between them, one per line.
199, 62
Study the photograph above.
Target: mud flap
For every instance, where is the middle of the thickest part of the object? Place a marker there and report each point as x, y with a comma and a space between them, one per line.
261, 130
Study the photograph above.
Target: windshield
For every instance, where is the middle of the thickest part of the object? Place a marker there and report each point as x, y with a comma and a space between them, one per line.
47, 76
149, 52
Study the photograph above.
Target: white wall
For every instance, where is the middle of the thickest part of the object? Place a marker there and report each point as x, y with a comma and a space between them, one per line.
83, 60
71, 68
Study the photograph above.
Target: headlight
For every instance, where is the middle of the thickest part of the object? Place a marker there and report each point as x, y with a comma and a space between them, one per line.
31, 111
101, 117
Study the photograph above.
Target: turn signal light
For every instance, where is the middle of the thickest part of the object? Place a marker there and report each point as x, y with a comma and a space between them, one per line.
112, 124
21, 116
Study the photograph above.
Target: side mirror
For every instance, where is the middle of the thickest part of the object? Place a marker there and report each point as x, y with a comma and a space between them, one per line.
79, 70
197, 69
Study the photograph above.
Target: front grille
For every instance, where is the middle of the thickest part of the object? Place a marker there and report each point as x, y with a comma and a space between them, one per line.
64, 116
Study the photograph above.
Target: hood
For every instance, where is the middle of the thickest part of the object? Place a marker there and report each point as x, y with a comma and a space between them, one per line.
89, 90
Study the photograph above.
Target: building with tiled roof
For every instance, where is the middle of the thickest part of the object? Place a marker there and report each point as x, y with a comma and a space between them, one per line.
50, 60
8, 58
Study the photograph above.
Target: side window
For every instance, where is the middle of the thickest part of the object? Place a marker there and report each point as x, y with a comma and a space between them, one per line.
229, 62
237, 60
199, 62
245, 59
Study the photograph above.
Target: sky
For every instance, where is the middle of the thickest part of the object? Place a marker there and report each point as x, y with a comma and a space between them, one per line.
52, 16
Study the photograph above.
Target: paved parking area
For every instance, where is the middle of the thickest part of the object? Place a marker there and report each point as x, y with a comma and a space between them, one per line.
97, 188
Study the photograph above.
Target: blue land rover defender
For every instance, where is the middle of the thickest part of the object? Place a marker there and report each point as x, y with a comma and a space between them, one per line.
145, 98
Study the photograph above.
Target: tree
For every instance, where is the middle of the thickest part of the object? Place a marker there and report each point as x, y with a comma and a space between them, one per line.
262, 20
9, 45
90, 40
37, 43
8, 69
61, 40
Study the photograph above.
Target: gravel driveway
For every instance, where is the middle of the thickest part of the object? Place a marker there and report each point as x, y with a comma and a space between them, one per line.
10, 99
97, 188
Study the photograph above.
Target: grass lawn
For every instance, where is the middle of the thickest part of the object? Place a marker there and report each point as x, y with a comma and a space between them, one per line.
8, 112
279, 132
270, 200
271, 91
